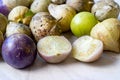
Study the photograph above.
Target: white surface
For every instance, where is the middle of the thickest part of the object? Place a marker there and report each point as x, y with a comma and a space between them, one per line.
106, 68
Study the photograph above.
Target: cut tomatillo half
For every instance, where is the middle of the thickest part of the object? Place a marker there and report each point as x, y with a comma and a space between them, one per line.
54, 49
87, 49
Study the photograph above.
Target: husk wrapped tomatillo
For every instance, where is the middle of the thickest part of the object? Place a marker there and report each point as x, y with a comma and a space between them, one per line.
14, 27
63, 13
43, 24
13, 3
108, 32
80, 5
3, 23
20, 14
105, 9
40, 6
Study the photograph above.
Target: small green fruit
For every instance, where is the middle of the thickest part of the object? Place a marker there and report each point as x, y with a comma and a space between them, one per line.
82, 23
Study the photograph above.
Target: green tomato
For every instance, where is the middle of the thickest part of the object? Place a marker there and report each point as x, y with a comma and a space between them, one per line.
82, 23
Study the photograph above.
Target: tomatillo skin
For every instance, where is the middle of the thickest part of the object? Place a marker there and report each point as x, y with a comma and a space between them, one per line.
19, 51
82, 23
3, 8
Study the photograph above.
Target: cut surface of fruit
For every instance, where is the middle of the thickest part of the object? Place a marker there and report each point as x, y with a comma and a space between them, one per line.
54, 49
54, 45
87, 49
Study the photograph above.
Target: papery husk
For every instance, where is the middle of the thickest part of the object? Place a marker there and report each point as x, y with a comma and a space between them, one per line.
14, 27
63, 13
13, 3
20, 14
105, 9
3, 23
108, 32
39, 6
80, 5
43, 24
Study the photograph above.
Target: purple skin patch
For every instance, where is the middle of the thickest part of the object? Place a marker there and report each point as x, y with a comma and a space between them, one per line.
19, 51
3, 8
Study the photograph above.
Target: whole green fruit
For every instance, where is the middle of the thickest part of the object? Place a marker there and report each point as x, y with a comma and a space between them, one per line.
82, 23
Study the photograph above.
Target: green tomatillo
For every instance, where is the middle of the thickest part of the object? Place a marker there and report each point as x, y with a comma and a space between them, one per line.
82, 23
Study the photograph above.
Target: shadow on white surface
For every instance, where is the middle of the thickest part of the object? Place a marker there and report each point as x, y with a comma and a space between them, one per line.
107, 59
106, 68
